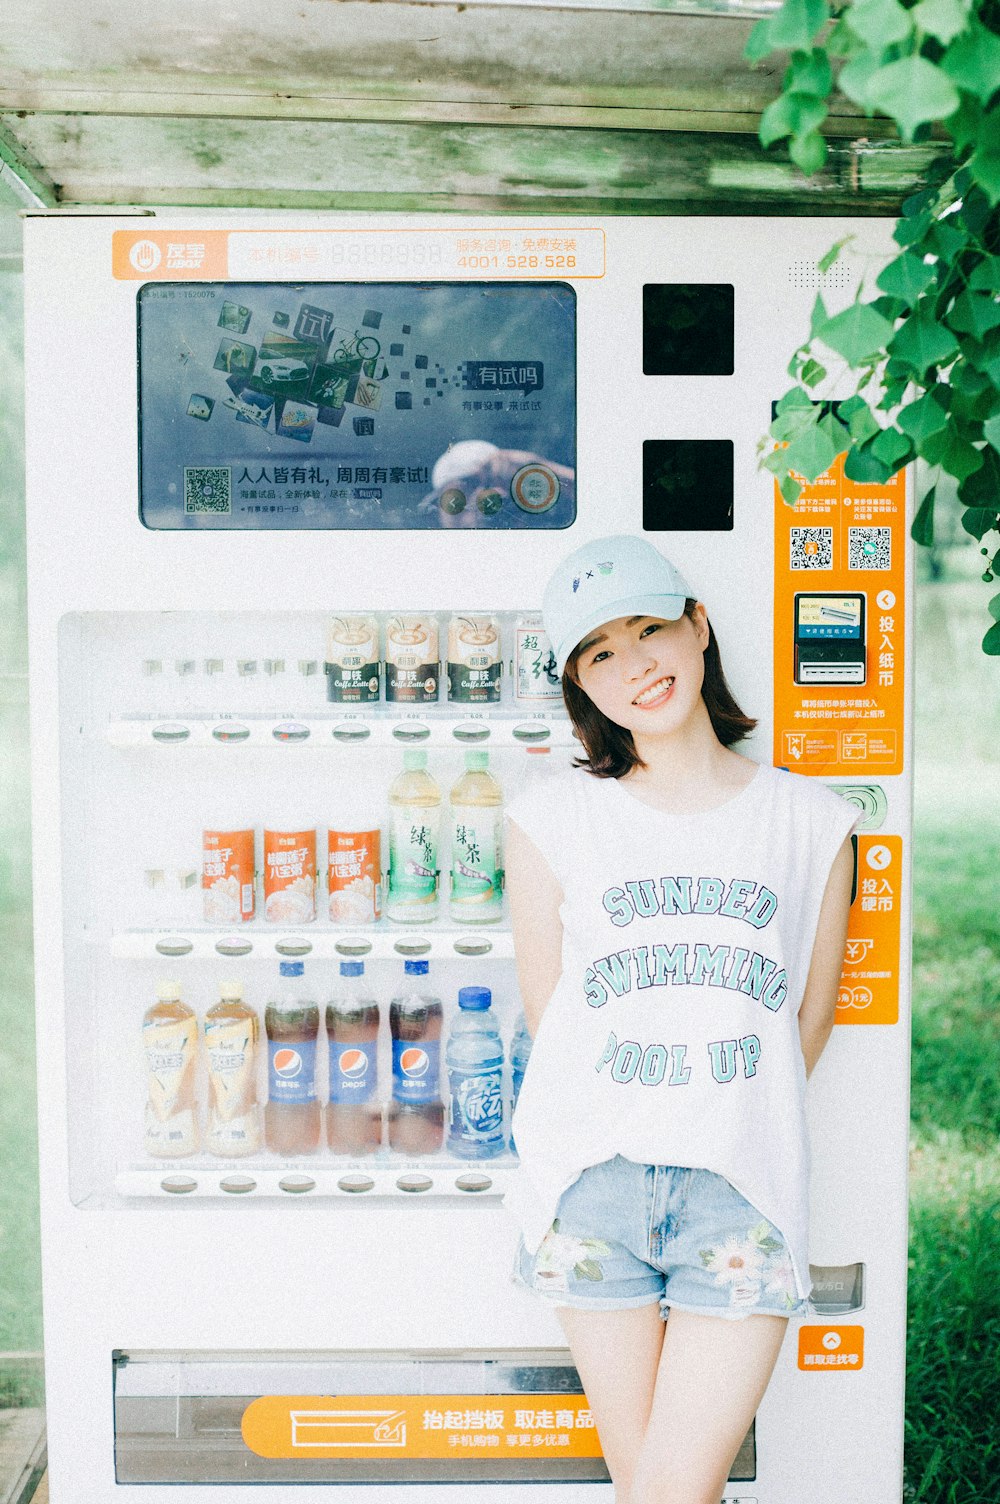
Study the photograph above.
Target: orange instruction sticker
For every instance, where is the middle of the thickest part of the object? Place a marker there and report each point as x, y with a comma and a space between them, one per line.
831, 1349
869, 983
839, 602
421, 1425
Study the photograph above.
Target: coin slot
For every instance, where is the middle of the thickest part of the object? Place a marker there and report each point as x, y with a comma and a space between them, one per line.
170, 733
238, 1185
351, 731
297, 1185
473, 945
412, 947
473, 1182
231, 733
352, 947
174, 945
355, 1183
292, 945
234, 945
471, 731
414, 1182
178, 1185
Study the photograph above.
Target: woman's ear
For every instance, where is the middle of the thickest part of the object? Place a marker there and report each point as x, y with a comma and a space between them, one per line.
699, 620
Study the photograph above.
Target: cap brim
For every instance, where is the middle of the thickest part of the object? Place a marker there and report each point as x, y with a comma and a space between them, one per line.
666, 607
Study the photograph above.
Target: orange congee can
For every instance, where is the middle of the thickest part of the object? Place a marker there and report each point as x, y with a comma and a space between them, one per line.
355, 876
289, 876
227, 876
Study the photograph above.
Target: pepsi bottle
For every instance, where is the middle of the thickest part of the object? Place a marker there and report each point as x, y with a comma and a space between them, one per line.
520, 1051
416, 1111
353, 1116
475, 1078
291, 1021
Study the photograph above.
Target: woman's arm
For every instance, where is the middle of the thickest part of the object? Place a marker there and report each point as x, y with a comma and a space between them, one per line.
823, 983
535, 896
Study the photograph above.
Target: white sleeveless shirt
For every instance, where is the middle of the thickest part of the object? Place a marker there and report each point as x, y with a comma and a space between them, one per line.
672, 1034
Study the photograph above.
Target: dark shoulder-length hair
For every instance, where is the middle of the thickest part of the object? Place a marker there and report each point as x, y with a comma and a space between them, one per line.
610, 750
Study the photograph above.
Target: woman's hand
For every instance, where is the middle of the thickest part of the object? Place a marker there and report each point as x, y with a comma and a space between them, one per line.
535, 896
819, 1002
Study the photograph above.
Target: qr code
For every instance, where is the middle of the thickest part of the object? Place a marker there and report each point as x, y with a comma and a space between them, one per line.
208, 489
869, 548
812, 548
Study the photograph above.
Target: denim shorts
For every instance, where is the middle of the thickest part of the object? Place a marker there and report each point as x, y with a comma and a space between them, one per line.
627, 1234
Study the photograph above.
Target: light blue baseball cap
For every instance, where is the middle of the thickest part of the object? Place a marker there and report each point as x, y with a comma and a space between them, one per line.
605, 579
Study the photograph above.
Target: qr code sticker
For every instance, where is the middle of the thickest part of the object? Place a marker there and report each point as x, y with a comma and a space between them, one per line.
208, 489
869, 548
812, 548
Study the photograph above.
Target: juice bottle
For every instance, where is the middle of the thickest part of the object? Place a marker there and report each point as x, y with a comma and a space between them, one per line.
475, 818
231, 1034
292, 1114
414, 826
170, 1040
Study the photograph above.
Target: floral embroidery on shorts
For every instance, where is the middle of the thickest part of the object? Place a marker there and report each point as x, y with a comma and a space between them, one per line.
560, 1252
758, 1263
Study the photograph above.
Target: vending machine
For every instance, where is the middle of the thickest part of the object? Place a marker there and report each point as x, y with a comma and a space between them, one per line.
287, 546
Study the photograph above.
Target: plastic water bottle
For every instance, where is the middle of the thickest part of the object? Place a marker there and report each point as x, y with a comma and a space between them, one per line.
520, 1049
475, 1073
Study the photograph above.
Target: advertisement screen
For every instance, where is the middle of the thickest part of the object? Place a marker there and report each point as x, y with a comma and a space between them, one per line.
357, 405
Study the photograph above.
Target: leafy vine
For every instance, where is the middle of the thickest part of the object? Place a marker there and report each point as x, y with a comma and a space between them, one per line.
926, 349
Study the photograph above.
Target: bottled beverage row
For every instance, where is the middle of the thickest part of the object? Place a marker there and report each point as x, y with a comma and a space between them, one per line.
401, 663
354, 864
356, 1119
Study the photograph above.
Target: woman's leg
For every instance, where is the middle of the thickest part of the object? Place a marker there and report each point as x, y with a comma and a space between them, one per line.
711, 1379
617, 1354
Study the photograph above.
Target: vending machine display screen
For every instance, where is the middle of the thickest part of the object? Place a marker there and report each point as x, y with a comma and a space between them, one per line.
357, 405
830, 639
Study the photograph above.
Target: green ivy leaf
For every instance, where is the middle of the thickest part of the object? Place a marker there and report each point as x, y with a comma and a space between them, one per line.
856, 75
991, 431
796, 23
994, 608
954, 454
809, 73
921, 342
837, 432
892, 448
861, 421
972, 384
982, 487
975, 313
991, 642
973, 61
759, 43
811, 453
985, 161
819, 315
906, 277
966, 123
913, 91
986, 276
790, 115
879, 23
813, 373
910, 230
925, 416
949, 242
795, 397
922, 530
979, 521
828, 258
890, 308
856, 333
866, 468
975, 210
790, 489
808, 152
943, 19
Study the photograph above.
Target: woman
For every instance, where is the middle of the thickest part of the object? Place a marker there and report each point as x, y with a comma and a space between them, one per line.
680, 917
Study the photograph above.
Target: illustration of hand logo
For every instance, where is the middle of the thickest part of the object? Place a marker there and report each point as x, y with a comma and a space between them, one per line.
145, 256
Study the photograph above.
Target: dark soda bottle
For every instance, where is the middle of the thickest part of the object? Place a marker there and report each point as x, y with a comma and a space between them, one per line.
354, 1115
292, 1114
416, 1112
